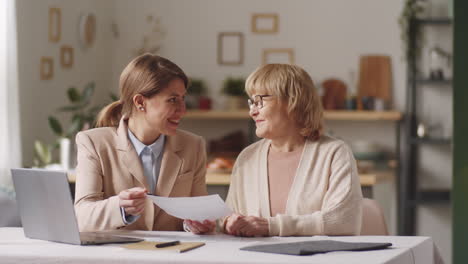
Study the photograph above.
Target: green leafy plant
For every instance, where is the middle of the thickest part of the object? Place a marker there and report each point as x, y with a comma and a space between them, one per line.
82, 114
197, 87
411, 10
234, 86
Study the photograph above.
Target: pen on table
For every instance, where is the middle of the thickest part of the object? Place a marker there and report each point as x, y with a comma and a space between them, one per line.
168, 244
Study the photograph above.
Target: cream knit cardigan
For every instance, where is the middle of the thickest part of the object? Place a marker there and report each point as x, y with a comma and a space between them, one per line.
325, 196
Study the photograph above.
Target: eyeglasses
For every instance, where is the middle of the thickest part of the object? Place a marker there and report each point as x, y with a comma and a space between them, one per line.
257, 101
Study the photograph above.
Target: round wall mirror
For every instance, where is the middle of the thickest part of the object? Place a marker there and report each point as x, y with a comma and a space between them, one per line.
87, 29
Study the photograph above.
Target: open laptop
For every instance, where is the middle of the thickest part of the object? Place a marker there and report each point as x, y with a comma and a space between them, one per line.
46, 209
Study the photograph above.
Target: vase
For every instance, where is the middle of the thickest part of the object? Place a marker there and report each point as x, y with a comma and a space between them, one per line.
191, 101
65, 153
204, 103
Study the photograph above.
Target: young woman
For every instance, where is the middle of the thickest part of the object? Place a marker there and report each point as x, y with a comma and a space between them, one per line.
137, 149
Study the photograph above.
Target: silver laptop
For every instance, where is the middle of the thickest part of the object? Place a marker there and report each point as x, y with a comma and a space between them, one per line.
46, 209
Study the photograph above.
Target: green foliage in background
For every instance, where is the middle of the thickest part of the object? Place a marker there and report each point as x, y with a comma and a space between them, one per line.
82, 114
234, 86
411, 10
197, 87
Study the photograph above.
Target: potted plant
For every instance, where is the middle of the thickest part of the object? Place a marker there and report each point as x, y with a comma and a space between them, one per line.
195, 94
197, 87
234, 88
82, 117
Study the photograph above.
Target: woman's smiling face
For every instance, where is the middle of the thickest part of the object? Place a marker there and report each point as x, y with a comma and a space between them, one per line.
164, 111
272, 119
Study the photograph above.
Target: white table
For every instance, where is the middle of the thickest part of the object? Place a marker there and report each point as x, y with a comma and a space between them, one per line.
15, 248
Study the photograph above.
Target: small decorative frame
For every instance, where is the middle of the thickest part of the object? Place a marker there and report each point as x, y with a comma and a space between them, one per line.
66, 56
55, 24
47, 68
153, 37
265, 23
230, 48
278, 56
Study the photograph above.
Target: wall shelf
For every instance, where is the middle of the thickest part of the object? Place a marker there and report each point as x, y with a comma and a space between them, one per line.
434, 82
441, 21
432, 141
224, 179
341, 115
432, 197
367, 180
216, 115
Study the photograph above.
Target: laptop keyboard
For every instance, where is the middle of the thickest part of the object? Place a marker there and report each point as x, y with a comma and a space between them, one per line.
92, 235
93, 238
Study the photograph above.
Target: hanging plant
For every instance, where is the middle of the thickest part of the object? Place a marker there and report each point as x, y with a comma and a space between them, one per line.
411, 10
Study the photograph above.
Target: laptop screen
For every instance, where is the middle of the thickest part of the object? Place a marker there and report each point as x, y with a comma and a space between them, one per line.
45, 205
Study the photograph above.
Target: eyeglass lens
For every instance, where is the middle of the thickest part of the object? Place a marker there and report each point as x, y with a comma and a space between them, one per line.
257, 101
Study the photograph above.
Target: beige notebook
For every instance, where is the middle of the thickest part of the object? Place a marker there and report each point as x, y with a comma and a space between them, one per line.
151, 245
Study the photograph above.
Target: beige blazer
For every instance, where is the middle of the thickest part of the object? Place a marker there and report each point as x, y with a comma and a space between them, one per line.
109, 164
325, 196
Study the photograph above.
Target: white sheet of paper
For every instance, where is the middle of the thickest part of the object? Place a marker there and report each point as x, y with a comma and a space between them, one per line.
198, 208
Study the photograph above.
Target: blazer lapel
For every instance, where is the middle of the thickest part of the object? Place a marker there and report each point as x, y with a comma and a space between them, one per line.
170, 167
128, 155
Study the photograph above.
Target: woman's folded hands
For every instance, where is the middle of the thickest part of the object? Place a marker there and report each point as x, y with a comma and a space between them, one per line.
247, 226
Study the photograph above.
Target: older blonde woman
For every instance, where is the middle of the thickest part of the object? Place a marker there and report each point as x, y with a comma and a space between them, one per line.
295, 181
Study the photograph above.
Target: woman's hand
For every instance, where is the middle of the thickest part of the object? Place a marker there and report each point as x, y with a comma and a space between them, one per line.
197, 227
133, 200
249, 226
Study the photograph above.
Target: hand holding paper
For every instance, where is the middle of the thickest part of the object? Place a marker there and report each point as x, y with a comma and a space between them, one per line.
210, 207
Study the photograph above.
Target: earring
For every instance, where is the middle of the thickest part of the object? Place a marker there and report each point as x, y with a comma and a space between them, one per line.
141, 108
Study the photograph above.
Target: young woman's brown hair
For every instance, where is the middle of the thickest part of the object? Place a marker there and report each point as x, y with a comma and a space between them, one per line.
145, 75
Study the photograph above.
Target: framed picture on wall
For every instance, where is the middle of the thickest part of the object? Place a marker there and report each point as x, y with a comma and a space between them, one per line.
47, 68
66, 56
230, 48
265, 23
55, 24
278, 56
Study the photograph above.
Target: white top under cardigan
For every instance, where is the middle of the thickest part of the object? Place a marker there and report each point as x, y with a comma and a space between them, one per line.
325, 196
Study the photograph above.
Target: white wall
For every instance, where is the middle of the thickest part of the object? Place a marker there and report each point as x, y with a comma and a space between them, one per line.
328, 36
39, 98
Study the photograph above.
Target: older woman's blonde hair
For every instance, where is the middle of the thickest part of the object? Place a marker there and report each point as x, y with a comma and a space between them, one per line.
147, 75
294, 87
